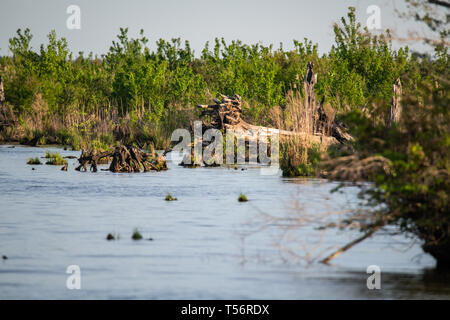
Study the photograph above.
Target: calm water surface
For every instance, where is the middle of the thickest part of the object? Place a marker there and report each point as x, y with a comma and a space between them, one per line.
206, 245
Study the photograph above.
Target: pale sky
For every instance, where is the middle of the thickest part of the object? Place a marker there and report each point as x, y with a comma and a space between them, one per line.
252, 21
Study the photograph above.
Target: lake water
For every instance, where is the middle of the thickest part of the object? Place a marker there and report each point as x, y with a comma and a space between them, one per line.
206, 245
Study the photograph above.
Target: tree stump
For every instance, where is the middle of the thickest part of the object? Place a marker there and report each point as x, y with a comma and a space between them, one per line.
124, 159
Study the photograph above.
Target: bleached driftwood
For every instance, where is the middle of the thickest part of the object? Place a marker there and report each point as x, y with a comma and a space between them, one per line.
226, 114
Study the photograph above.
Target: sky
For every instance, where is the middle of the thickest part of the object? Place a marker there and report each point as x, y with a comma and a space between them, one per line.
251, 21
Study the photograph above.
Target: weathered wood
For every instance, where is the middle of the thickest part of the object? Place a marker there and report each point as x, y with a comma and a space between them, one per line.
226, 114
2, 92
395, 110
310, 103
91, 158
124, 159
351, 244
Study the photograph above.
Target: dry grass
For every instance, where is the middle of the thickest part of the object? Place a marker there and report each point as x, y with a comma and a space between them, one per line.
299, 117
84, 130
300, 155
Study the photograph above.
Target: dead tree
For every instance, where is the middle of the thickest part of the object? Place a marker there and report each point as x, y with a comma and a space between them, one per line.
319, 122
395, 110
2, 93
226, 114
311, 108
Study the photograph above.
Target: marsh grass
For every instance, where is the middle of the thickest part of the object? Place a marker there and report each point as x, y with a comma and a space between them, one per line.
300, 157
101, 128
136, 235
242, 197
34, 161
55, 159
169, 197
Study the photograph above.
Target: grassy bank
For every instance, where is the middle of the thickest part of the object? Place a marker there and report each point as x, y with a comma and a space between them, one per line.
140, 93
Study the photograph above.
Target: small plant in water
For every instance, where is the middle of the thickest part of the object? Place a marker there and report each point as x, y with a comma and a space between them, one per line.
242, 197
170, 198
55, 159
34, 161
136, 235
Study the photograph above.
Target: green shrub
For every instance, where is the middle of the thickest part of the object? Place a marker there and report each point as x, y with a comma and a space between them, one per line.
138, 94
408, 165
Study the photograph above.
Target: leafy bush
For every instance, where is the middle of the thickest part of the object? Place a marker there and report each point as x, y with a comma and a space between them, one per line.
361, 66
409, 165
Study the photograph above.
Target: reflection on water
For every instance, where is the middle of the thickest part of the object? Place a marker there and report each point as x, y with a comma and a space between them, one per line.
206, 245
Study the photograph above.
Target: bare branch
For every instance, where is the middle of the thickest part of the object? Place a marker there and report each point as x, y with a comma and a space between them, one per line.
351, 244
440, 3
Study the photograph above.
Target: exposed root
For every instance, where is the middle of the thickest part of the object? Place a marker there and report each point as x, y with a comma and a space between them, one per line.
124, 159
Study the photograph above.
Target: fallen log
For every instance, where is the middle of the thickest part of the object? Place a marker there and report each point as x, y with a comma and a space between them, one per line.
225, 114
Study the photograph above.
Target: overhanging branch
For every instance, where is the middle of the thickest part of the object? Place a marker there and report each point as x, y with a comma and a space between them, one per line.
440, 3
351, 244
